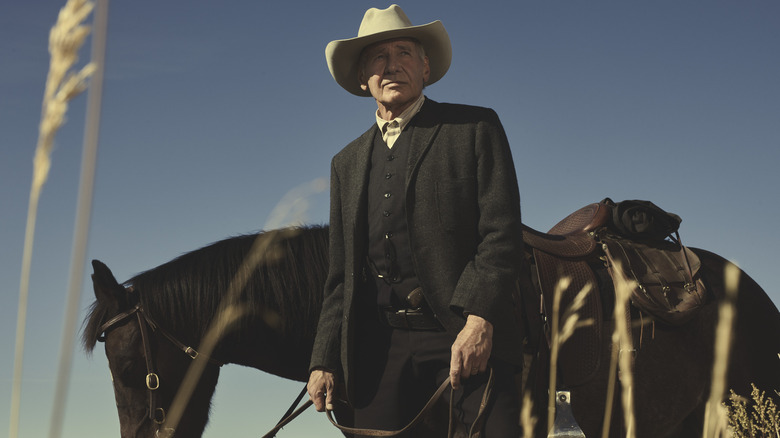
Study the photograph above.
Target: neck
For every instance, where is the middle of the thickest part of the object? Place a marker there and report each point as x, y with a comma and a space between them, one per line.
390, 112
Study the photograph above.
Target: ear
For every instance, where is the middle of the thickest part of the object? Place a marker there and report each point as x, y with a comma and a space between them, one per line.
107, 289
362, 80
426, 71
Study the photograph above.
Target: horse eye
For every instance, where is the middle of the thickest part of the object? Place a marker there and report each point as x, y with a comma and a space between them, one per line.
130, 373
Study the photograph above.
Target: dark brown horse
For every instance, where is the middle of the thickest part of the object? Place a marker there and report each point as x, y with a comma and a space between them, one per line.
149, 321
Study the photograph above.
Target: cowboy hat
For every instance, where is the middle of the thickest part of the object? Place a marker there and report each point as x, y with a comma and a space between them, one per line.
343, 56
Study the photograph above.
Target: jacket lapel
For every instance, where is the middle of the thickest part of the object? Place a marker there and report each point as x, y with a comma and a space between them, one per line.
357, 200
426, 125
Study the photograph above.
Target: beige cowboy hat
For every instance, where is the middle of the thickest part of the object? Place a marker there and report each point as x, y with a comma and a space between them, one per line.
380, 25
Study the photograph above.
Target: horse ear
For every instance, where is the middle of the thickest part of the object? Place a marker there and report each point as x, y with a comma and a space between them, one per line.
106, 287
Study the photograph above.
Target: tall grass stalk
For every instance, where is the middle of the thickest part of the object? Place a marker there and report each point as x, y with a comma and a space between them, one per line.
527, 418
611, 382
622, 343
62, 85
715, 419
560, 287
78, 257
289, 210
560, 334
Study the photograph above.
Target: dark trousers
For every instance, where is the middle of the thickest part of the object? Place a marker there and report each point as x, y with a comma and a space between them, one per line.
397, 371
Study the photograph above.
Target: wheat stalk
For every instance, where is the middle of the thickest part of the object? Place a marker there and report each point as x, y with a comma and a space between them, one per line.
715, 420
62, 85
289, 210
622, 352
527, 419
561, 334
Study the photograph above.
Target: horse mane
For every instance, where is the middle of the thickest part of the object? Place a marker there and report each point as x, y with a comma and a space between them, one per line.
285, 288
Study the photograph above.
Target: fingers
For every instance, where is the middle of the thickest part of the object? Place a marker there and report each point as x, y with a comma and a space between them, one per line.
316, 395
455, 369
329, 400
320, 389
471, 350
464, 366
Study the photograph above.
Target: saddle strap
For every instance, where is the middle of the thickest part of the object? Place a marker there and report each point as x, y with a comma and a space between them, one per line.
428, 406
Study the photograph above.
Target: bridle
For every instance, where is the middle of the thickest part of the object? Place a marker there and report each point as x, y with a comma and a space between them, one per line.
145, 323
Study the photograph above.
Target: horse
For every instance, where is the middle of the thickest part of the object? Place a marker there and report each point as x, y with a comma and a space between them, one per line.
284, 293
181, 298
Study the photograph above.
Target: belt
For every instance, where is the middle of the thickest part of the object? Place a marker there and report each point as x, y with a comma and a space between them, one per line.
410, 319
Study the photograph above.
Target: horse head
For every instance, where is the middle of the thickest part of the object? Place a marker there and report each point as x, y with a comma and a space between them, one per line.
146, 369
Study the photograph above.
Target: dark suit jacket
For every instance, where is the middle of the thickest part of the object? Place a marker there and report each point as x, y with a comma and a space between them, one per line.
463, 215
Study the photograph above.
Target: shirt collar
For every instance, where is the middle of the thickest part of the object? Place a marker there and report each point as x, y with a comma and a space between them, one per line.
402, 119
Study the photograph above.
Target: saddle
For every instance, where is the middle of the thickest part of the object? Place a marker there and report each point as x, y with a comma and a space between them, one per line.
570, 250
586, 247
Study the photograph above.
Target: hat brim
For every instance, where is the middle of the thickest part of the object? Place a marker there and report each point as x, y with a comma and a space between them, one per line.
343, 55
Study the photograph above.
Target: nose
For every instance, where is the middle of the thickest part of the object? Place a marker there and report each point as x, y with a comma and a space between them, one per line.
392, 64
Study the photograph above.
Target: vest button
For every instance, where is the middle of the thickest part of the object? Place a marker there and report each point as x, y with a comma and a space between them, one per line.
390, 157
388, 194
386, 213
388, 175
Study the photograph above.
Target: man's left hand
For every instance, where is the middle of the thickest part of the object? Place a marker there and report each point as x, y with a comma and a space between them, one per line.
471, 350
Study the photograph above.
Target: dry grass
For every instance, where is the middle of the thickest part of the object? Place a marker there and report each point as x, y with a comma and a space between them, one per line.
527, 419
289, 211
757, 417
622, 344
715, 418
561, 333
62, 85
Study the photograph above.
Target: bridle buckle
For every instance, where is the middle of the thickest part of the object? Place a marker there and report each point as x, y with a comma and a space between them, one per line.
152, 381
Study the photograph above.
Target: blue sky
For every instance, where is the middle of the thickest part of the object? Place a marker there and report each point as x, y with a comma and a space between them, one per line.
213, 111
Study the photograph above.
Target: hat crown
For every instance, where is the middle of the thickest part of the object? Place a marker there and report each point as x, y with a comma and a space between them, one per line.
381, 20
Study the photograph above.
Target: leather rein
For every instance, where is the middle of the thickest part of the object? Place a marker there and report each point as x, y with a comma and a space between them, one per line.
476, 425
145, 323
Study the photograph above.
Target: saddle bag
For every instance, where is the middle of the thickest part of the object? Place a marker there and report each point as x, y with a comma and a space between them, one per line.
665, 275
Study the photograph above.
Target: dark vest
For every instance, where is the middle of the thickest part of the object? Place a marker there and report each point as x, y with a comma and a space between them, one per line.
389, 251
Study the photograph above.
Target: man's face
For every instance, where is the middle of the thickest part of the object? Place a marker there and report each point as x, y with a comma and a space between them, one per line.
394, 73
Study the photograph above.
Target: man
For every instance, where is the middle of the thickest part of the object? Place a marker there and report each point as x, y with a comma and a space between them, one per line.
425, 242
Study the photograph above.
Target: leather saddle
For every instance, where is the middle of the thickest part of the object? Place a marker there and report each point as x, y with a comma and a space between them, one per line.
571, 237
571, 250
590, 250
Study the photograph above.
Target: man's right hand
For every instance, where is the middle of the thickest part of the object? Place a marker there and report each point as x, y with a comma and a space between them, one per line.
321, 387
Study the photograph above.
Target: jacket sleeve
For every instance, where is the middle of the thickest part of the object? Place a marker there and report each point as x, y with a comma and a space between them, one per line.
327, 347
487, 280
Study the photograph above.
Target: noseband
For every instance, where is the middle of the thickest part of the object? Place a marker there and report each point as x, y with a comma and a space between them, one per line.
145, 322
